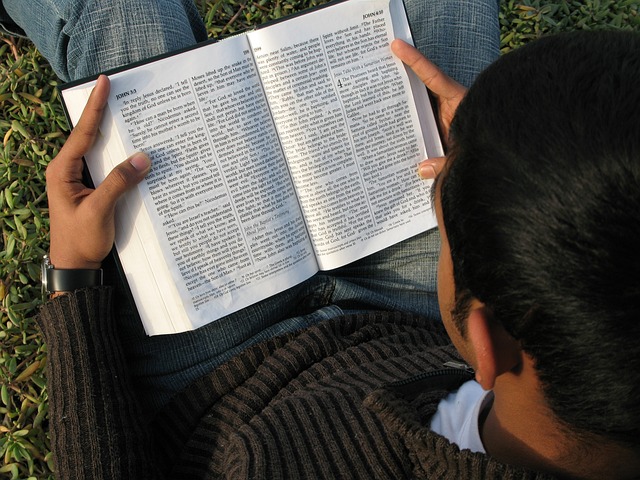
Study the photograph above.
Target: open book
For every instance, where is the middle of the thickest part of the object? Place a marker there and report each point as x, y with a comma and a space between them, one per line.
275, 154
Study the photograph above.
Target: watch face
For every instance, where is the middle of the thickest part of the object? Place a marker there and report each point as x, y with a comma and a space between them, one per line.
46, 265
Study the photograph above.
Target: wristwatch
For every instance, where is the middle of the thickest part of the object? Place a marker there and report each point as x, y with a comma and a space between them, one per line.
67, 280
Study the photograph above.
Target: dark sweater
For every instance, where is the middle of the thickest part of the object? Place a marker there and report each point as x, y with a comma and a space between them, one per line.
349, 398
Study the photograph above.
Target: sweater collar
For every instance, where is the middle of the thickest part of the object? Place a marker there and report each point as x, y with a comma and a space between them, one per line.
405, 409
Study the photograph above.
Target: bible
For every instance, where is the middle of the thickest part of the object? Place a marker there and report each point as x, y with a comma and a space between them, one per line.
276, 153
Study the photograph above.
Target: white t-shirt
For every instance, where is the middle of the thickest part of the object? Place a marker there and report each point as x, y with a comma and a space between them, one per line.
458, 413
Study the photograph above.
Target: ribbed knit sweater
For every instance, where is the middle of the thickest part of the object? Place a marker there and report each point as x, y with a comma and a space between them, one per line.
348, 398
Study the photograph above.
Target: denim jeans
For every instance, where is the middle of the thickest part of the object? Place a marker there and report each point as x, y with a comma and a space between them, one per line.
83, 37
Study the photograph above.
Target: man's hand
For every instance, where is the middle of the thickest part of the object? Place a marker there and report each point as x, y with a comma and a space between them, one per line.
82, 228
447, 91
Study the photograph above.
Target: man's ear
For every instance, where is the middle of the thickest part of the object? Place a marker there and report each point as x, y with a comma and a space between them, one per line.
496, 351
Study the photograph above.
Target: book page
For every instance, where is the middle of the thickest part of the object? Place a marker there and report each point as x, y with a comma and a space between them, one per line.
224, 224
344, 107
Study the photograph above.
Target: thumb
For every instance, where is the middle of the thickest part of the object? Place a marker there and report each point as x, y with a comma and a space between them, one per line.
429, 169
122, 178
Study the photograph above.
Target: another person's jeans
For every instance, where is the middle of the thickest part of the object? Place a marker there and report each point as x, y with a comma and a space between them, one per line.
84, 37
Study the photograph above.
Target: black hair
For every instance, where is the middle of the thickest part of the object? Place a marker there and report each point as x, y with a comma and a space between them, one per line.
541, 206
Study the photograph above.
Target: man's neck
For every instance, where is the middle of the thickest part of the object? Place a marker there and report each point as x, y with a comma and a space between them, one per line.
520, 430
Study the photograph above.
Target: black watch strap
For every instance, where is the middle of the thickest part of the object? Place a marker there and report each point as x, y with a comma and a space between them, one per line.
67, 280
60, 280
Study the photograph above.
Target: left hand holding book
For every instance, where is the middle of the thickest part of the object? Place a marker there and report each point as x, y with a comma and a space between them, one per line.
82, 227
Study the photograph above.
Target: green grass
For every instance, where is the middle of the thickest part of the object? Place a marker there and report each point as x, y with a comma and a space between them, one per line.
32, 131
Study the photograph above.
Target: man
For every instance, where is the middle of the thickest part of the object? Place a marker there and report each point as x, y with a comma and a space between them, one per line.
537, 287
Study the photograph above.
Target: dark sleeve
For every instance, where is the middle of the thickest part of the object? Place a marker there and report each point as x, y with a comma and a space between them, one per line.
96, 424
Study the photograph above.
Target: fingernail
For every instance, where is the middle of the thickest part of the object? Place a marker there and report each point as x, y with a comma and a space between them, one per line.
427, 171
140, 161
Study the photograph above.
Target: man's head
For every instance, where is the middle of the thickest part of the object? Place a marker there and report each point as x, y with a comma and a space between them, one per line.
541, 205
